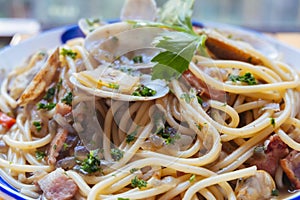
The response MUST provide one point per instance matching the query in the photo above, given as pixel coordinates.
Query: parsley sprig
(246, 78)
(179, 42)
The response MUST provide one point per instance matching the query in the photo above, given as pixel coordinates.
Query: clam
(131, 10)
(110, 42)
(108, 82)
(88, 25)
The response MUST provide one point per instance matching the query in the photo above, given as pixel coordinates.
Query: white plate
(11, 57)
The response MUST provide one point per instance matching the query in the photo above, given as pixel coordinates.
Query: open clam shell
(126, 84)
(109, 42)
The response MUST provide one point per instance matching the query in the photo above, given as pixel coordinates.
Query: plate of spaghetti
(153, 106)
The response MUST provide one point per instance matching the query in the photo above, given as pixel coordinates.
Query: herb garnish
(131, 137)
(180, 44)
(40, 155)
(138, 59)
(68, 99)
(91, 163)
(272, 121)
(170, 135)
(187, 97)
(49, 94)
(140, 183)
(133, 170)
(120, 198)
(48, 106)
(275, 192)
(192, 178)
(68, 52)
(38, 125)
(144, 91)
(246, 78)
(117, 154)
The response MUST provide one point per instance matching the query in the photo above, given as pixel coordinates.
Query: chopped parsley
(246, 78)
(117, 154)
(131, 137)
(91, 163)
(48, 106)
(40, 155)
(92, 22)
(192, 178)
(200, 101)
(187, 97)
(68, 52)
(144, 91)
(120, 198)
(49, 94)
(140, 183)
(38, 125)
(65, 146)
(133, 170)
(275, 192)
(272, 121)
(54, 147)
(113, 85)
(170, 135)
(68, 99)
(138, 59)
(199, 126)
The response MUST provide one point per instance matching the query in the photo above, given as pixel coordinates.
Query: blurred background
(261, 15)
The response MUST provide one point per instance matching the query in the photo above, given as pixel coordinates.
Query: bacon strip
(58, 186)
(202, 88)
(56, 145)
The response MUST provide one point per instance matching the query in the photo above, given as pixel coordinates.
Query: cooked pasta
(228, 128)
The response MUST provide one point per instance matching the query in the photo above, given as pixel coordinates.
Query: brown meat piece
(268, 159)
(291, 167)
(56, 145)
(202, 88)
(58, 186)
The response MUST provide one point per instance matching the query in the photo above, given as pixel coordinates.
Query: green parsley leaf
(49, 94)
(170, 135)
(91, 163)
(144, 91)
(140, 183)
(275, 192)
(37, 125)
(65, 146)
(68, 52)
(138, 59)
(120, 198)
(40, 155)
(117, 154)
(68, 99)
(192, 178)
(187, 97)
(272, 121)
(179, 49)
(246, 78)
(48, 106)
(131, 137)
(113, 85)
(177, 13)
(133, 170)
